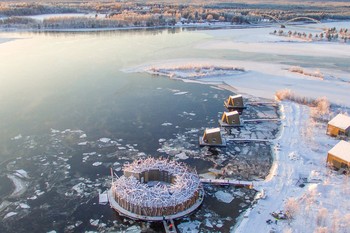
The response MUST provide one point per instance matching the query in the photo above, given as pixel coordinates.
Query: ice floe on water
(133, 229)
(95, 164)
(182, 156)
(224, 197)
(10, 214)
(166, 124)
(181, 93)
(189, 227)
(94, 222)
(20, 186)
(105, 140)
(79, 188)
(21, 173)
(19, 136)
(24, 206)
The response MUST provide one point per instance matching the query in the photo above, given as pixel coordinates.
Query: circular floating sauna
(156, 189)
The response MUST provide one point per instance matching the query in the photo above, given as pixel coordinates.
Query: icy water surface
(68, 114)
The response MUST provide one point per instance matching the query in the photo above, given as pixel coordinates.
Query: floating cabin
(230, 119)
(339, 126)
(155, 190)
(212, 137)
(339, 155)
(234, 102)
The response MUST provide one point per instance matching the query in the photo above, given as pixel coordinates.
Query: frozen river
(69, 112)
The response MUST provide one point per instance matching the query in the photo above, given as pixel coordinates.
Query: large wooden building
(339, 126)
(339, 155)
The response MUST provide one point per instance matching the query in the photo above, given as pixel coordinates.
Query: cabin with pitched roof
(212, 137)
(339, 155)
(230, 119)
(234, 102)
(339, 126)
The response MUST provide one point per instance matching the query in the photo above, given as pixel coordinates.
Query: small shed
(212, 137)
(339, 155)
(234, 101)
(339, 126)
(230, 119)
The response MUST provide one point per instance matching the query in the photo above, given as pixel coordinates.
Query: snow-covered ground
(300, 158)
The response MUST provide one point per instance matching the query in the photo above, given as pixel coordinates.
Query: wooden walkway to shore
(169, 226)
(247, 140)
(262, 103)
(236, 183)
(261, 120)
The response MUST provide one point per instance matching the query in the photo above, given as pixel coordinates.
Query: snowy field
(299, 182)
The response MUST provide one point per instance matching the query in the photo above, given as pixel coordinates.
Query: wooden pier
(243, 140)
(236, 183)
(262, 103)
(261, 120)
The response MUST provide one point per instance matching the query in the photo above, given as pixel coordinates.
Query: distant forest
(150, 14)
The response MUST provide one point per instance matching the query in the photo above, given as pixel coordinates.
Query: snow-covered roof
(213, 130)
(231, 113)
(235, 96)
(340, 121)
(182, 189)
(341, 150)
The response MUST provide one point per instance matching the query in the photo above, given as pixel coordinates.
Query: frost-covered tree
(321, 219)
(291, 208)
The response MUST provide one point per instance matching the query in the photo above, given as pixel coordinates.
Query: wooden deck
(202, 143)
(223, 124)
(232, 107)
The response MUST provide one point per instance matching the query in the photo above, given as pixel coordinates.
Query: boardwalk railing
(237, 183)
(248, 140)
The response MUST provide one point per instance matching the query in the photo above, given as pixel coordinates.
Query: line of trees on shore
(121, 14)
(330, 34)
